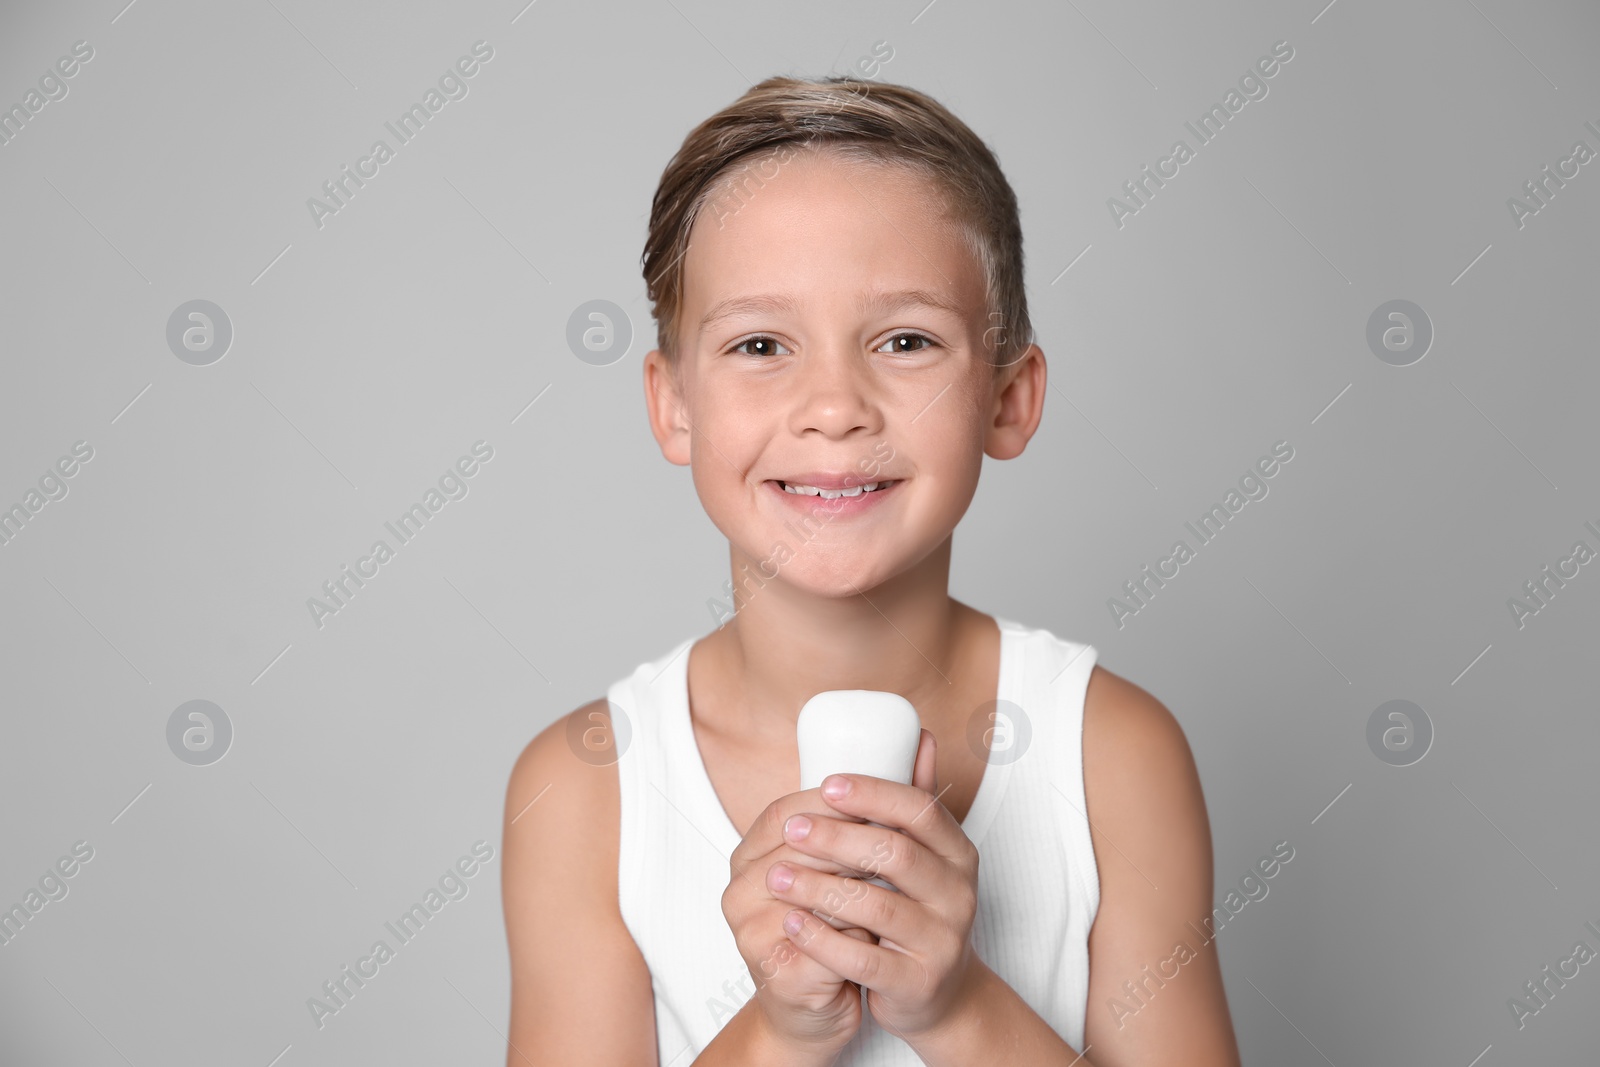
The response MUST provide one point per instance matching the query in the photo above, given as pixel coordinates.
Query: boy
(836, 269)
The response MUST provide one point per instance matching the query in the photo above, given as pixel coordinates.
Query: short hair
(863, 120)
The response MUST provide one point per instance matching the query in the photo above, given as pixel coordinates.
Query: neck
(785, 645)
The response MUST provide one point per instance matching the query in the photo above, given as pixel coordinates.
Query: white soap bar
(858, 731)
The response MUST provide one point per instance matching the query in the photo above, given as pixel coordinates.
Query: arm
(580, 990)
(745, 1039)
(1148, 821)
(1153, 848)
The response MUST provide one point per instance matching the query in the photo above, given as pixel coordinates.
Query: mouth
(799, 489)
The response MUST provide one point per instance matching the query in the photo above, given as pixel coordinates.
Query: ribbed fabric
(1038, 886)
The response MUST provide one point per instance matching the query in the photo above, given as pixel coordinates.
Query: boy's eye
(768, 346)
(903, 344)
(900, 349)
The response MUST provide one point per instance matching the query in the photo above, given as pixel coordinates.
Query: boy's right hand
(803, 1002)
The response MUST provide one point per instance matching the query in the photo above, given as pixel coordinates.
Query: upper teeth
(830, 494)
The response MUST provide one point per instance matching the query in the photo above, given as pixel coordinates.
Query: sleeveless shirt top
(1038, 885)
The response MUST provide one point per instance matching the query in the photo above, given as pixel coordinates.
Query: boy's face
(799, 373)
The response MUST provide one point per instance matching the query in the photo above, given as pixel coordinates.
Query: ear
(663, 400)
(1017, 406)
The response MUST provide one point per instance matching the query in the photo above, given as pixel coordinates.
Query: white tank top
(1038, 886)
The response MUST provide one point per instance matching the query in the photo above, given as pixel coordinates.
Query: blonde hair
(866, 121)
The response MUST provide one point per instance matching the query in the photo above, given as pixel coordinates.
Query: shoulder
(569, 767)
(1125, 726)
(1139, 774)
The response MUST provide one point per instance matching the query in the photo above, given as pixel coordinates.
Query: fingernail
(781, 878)
(796, 827)
(792, 922)
(835, 787)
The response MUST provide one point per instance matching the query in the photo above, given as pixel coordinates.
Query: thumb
(925, 774)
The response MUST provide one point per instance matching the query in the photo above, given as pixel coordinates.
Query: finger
(925, 775)
(857, 961)
(766, 832)
(914, 810)
(865, 850)
(888, 915)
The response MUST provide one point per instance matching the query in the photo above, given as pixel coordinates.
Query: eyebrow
(873, 301)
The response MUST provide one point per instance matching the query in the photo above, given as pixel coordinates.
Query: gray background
(369, 354)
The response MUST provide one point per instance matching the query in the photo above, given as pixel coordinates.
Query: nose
(835, 394)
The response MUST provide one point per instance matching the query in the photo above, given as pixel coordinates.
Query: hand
(804, 1002)
(922, 966)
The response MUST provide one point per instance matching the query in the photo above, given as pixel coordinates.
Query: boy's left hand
(923, 966)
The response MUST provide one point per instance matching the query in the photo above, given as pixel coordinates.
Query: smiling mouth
(834, 494)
